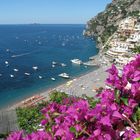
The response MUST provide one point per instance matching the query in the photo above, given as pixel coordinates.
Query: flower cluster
(113, 117)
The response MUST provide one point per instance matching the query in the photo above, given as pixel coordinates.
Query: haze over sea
(25, 46)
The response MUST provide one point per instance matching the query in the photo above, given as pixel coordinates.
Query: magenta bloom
(16, 136)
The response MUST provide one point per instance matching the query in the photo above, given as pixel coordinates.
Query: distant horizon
(43, 24)
(49, 11)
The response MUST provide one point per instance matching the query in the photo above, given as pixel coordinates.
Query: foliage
(134, 13)
(108, 32)
(115, 116)
(136, 49)
(29, 118)
(57, 96)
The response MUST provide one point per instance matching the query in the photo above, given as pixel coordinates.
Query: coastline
(84, 84)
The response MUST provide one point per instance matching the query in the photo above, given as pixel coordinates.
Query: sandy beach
(85, 84)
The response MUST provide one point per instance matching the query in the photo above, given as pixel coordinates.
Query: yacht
(15, 70)
(76, 61)
(35, 67)
(63, 65)
(7, 50)
(6, 62)
(40, 77)
(11, 75)
(27, 73)
(53, 79)
(54, 63)
(64, 75)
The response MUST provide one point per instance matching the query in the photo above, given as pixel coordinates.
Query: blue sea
(23, 47)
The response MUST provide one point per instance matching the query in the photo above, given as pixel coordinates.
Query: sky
(49, 11)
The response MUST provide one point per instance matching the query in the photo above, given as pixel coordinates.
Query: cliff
(105, 23)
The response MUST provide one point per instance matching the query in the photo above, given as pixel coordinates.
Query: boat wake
(19, 55)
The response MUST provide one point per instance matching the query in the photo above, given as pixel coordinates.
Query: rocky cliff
(105, 23)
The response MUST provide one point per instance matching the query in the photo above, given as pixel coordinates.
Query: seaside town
(100, 105)
(123, 42)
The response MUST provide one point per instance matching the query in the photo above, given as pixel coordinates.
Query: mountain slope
(105, 23)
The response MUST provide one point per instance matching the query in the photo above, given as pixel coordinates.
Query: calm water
(25, 46)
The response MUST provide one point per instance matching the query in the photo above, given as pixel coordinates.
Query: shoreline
(77, 86)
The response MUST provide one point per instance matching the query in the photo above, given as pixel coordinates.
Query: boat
(64, 75)
(53, 79)
(7, 50)
(26, 73)
(53, 66)
(40, 77)
(15, 70)
(6, 62)
(63, 65)
(76, 61)
(11, 75)
(54, 63)
(35, 67)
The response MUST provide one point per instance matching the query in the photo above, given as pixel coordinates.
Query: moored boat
(26, 73)
(35, 67)
(64, 75)
(53, 79)
(76, 61)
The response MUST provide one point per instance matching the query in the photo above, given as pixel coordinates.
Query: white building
(134, 37)
(128, 23)
(137, 27)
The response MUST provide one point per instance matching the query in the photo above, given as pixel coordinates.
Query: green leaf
(73, 129)
(125, 100)
(137, 139)
(117, 94)
(134, 117)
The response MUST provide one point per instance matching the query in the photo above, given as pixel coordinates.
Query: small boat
(7, 50)
(0, 74)
(11, 75)
(64, 75)
(26, 73)
(63, 65)
(15, 70)
(6, 62)
(35, 67)
(76, 61)
(53, 79)
(53, 66)
(40, 77)
(54, 63)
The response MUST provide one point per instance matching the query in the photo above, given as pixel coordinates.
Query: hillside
(105, 23)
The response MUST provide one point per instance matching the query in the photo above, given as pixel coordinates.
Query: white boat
(0, 74)
(76, 61)
(11, 75)
(64, 75)
(63, 65)
(40, 77)
(26, 73)
(7, 50)
(53, 66)
(54, 63)
(6, 62)
(15, 70)
(53, 79)
(35, 67)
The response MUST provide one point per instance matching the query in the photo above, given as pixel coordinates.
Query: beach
(84, 85)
